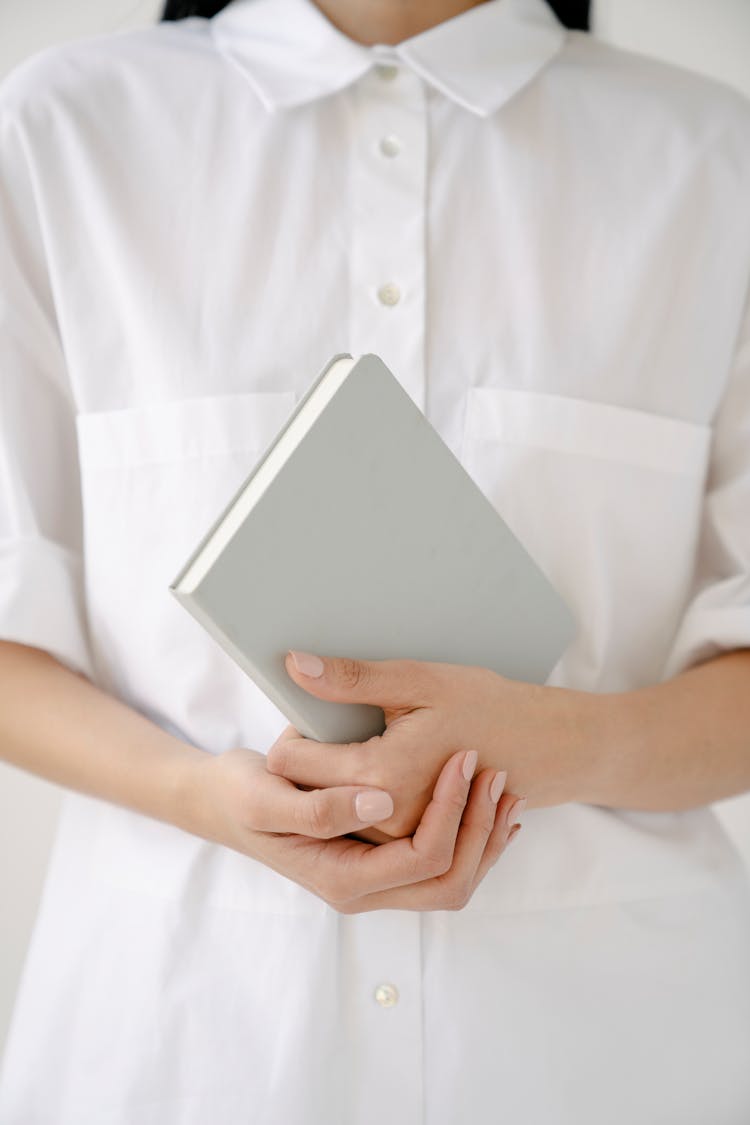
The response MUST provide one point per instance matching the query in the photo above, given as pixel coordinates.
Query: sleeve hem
(42, 601)
(707, 634)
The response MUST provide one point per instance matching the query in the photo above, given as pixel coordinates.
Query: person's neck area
(390, 21)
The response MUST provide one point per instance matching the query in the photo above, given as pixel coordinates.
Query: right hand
(302, 835)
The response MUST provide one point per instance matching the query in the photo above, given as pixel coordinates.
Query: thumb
(341, 679)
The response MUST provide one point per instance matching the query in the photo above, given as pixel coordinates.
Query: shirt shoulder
(659, 96)
(121, 65)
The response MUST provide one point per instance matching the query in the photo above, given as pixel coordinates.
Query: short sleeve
(717, 618)
(41, 565)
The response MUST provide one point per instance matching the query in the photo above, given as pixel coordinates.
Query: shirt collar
(292, 54)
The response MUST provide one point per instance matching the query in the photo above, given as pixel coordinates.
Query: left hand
(537, 734)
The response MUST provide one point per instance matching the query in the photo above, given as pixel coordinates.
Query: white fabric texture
(194, 218)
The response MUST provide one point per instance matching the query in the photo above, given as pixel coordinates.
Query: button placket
(388, 182)
(380, 956)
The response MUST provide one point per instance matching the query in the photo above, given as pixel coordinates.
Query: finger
(321, 764)
(288, 733)
(477, 825)
(351, 869)
(444, 820)
(321, 813)
(501, 835)
(309, 762)
(452, 889)
(383, 683)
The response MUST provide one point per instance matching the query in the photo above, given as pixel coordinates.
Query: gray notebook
(359, 533)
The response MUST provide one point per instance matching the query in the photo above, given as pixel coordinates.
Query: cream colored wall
(712, 36)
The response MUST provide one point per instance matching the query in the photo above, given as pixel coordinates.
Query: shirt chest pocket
(608, 500)
(154, 478)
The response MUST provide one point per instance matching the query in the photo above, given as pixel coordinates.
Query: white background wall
(712, 36)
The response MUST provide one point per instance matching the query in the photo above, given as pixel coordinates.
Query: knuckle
(458, 903)
(251, 809)
(363, 764)
(416, 867)
(319, 815)
(369, 756)
(457, 898)
(277, 758)
(367, 760)
(327, 888)
(351, 673)
(412, 869)
(443, 864)
(400, 825)
(344, 907)
(400, 772)
(339, 897)
(485, 832)
(434, 864)
(454, 803)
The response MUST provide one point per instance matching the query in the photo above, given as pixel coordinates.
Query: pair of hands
(303, 835)
(440, 831)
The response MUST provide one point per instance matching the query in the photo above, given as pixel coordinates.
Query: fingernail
(515, 812)
(498, 784)
(513, 833)
(374, 804)
(470, 764)
(307, 664)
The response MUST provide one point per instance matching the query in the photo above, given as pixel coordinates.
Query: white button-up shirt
(548, 241)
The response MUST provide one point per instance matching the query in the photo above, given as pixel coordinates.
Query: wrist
(590, 759)
(183, 790)
(559, 740)
(608, 766)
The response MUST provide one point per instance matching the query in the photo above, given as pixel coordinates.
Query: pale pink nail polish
(372, 805)
(513, 833)
(308, 664)
(498, 784)
(470, 764)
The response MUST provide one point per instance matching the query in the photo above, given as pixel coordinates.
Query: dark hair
(573, 13)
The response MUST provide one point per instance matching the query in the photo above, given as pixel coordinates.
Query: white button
(386, 995)
(386, 71)
(389, 294)
(390, 145)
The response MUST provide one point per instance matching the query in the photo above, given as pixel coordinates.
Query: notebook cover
(372, 541)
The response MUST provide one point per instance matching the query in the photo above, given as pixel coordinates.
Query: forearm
(60, 726)
(675, 745)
